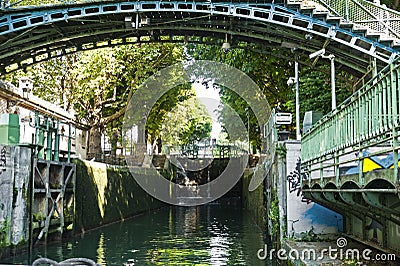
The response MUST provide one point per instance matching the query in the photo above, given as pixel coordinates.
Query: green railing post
(394, 121)
(39, 135)
(360, 167)
(336, 161)
(57, 142)
(69, 143)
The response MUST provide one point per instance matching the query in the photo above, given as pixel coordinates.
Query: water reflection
(101, 258)
(206, 235)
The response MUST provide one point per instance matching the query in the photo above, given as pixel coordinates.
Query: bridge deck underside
(38, 33)
(371, 213)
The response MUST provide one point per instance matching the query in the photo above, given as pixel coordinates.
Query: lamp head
(317, 53)
(291, 81)
(226, 46)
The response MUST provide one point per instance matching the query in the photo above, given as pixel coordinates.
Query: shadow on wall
(106, 194)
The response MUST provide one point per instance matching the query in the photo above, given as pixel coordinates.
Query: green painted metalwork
(49, 138)
(48, 133)
(56, 142)
(368, 121)
(376, 17)
(83, 25)
(9, 129)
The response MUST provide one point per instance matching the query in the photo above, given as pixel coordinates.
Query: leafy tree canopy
(188, 121)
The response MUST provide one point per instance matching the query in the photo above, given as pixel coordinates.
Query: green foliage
(37, 217)
(273, 214)
(4, 231)
(164, 107)
(97, 84)
(234, 105)
(281, 150)
(309, 236)
(268, 72)
(187, 122)
(315, 91)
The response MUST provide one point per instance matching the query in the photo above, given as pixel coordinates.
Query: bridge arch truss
(32, 34)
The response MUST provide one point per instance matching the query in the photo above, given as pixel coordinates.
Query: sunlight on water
(101, 259)
(206, 235)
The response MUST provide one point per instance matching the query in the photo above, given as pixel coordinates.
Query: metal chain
(68, 262)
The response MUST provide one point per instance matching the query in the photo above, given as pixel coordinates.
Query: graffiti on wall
(294, 183)
(3, 160)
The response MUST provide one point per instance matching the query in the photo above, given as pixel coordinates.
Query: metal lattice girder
(375, 17)
(32, 34)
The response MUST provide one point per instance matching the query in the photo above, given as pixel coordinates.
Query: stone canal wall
(253, 201)
(106, 194)
(15, 169)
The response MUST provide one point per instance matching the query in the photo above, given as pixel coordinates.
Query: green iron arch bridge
(354, 170)
(30, 34)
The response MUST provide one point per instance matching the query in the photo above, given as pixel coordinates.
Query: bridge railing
(373, 16)
(19, 3)
(367, 124)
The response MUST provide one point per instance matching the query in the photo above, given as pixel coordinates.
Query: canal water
(213, 234)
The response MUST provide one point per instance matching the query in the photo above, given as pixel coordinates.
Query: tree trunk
(114, 143)
(94, 142)
(159, 145)
(396, 4)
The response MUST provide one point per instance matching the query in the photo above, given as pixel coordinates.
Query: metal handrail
(370, 117)
(375, 17)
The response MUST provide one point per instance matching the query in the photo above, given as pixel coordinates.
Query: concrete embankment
(106, 194)
(254, 201)
(94, 195)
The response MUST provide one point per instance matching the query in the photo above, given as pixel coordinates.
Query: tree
(315, 90)
(187, 122)
(393, 4)
(270, 73)
(99, 83)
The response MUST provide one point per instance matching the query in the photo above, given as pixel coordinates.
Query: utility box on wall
(310, 118)
(9, 129)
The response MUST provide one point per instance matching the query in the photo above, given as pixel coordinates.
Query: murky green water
(206, 235)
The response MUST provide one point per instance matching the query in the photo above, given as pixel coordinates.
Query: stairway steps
(396, 44)
(348, 25)
(374, 35)
(320, 12)
(360, 30)
(320, 15)
(388, 41)
(334, 20)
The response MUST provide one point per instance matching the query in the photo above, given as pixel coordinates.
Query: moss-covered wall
(253, 201)
(106, 194)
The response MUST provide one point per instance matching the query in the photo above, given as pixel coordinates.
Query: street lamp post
(295, 81)
(333, 85)
(248, 126)
(331, 57)
(296, 77)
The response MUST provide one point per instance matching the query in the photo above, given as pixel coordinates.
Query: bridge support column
(293, 205)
